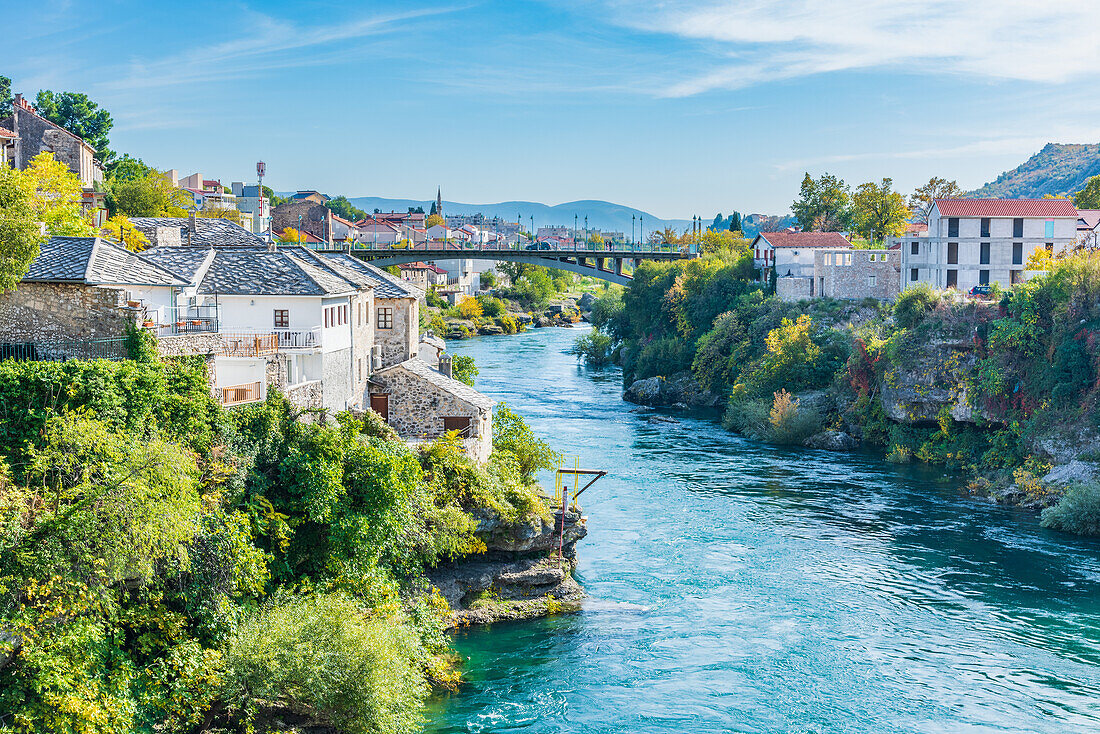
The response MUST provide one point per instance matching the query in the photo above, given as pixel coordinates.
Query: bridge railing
(613, 248)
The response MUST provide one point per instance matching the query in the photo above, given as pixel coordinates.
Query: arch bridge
(606, 262)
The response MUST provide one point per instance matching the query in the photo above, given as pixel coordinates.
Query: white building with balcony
(973, 242)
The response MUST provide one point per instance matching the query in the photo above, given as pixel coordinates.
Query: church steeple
(437, 207)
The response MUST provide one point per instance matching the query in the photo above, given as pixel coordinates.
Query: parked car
(539, 246)
(982, 291)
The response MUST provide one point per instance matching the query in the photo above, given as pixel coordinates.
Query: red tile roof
(916, 227)
(805, 239)
(1006, 208)
(6, 133)
(1088, 218)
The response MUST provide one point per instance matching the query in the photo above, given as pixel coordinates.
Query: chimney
(445, 364)
(192, 230)
(328, 226)
(272, 246)
(166, 237)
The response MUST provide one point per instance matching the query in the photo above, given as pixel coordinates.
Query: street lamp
(586, 230)
(574, 230)
(633, 221)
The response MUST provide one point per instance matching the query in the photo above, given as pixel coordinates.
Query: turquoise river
(740, 587)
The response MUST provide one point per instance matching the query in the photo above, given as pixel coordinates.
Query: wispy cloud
(271, 45)
(757, 41)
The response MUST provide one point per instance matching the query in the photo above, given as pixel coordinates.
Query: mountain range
(1058, 169)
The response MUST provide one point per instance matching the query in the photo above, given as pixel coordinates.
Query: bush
(1078, 511)
(780, 420)
(913, 304)
(469, 308)
(356, 671)
(594, 348)
(508, 324)
(490, 306)
(463, 369)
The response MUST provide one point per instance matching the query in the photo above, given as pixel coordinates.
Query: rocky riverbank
(519, 576)
(561, 312)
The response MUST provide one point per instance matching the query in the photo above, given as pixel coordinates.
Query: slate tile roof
(186, 261)
(1006, 208)
(460, 390)
(389, 286)
(93, 261)
(209, 232)
(253, 271)
(804, 239)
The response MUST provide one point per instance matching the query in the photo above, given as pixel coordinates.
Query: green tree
(463, 369)
(120, 229)
(513, 436)
(75, 112)
(1088, 197)
(822, 204)
(735, 222)
(20, 236)
(6, 100)
(920, 201)
(878, 211)
(341, 207)
(133, 194)
(126, 168)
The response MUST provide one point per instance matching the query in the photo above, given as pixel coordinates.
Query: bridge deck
(434, 251)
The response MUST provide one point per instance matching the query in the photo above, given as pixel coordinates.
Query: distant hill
(1056, 169)
(601, 214)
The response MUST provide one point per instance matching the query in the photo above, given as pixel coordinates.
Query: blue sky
(679, 107)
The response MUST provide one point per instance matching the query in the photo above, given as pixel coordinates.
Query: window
(871, 280)
(953, 227)
(282, 318)
(1050, 247)
(983, 277)
(359, 315)
(952, 278)
(913, 275)
(985, 227)
(1017, 253)
(328, 316)
(1015, 276)
(1049, 229)
(847, 258)
(952, 253)
(385, 317)
(359, 364)
(460, 424)
(914, 248)
(983, 254)
(1018, 227)
(344, 314)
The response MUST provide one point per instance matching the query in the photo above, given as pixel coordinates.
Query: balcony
(245, 342)
(251, 392)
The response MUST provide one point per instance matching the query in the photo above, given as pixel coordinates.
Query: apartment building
(973, 242)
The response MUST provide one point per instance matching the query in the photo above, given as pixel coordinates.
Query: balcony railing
(250, 392)
(249, 345)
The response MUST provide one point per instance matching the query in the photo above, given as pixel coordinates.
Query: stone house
(973, 242)
(857, 274)
(423, 275)
(319, 327)
(306, 215)
(791, 254)
(423, 404)
(32, 134)
(83, 289)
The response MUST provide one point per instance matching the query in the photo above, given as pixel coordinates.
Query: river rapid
(741, 587)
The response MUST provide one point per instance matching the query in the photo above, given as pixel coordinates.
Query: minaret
(439, 201)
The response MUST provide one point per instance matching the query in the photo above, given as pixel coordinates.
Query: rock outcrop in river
(519, 576)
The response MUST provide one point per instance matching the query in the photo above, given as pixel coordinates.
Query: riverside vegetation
(170, 565)
(1003, 391)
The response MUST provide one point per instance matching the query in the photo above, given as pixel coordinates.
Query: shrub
(490, 306)
(322, 653)
(780, 420)
(463, 369)
(512, 435)
(1078, 511)
(508, 324)
(469, 308)
(594, 348)
(913, 304)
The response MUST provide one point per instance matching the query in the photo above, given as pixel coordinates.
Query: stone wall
(316, 218)
(362, 339)
(399, 343)
(793, 289)
(54, 311)
(858, 274)
(183, 345)
(336, 376)
(37, 135)
(305, 395)
(417, 409)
